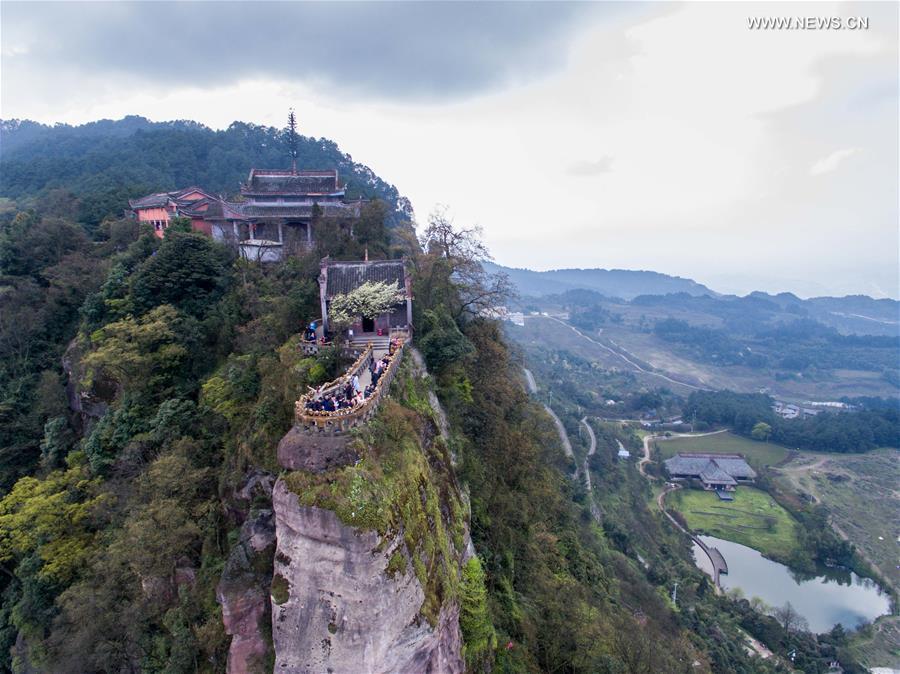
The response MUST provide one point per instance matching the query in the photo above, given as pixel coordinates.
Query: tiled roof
(343, 277)
(736, 467)
(284, 182)
(161, 199)
(151, 201)
(198, 207)
(714, 474)
(733, 465)
(215, 210)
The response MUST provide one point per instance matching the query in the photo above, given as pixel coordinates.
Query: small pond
(834, 596)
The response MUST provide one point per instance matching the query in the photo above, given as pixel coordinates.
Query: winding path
(595, 509)
(563, 436)
(529, 378)
(560, 429)
(593, 448)
(716, 559)
(626, 358)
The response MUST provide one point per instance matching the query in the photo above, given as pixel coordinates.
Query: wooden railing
(342, 420)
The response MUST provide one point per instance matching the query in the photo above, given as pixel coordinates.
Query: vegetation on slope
(115, 543)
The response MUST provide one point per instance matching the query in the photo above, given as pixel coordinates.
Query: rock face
(88, 405)
(336, 609)
(315, 453)
(243, 593)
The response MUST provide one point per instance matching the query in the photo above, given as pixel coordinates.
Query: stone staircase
(379, 344)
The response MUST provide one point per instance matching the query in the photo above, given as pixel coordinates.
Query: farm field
(669, 358)
(861, 494)
(758, 454)
(753, 519)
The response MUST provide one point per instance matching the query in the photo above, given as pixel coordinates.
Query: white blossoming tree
(369, 300)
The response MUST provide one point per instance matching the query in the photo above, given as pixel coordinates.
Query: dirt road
(625, 358)
(560, 429)
(591, 450)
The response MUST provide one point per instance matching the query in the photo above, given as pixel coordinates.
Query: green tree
(761, 431)
(443, 343)
(53, 518)
(139, 353)
(475, 618)
(188, 271)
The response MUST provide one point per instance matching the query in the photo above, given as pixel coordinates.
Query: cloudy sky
(658, 136)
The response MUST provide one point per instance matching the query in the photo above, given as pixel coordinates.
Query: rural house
(716, 471)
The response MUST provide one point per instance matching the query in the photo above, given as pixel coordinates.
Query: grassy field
(861, 494)
(758, 454)
(753, 519)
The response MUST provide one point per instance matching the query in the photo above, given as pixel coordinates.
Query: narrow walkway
(716, 559)
(365, 377)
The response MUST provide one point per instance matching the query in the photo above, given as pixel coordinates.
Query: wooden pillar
(280, 234)
(309, 233)
(234, 225)
(407, 282)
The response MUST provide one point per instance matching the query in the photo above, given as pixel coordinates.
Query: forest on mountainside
(95, 168)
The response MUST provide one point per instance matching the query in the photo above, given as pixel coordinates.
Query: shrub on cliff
(475, 618)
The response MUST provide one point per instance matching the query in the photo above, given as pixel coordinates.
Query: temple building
(276, 214)
(279, 209)
(719, 472)
(340, 278)
(157, 210)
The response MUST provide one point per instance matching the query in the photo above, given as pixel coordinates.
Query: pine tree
(292, 139)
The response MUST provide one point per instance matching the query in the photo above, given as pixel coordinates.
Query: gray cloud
(590, 168)
(395, 50)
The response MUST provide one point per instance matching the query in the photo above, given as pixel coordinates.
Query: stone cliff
(243, 594)
(371, 543)
(337, 607)
(372, 536)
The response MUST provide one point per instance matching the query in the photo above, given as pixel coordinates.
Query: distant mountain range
(622, 283)
(852, 314)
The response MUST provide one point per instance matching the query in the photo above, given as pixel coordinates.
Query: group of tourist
(352, 394)
(345, 398)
